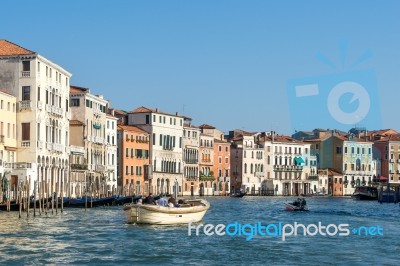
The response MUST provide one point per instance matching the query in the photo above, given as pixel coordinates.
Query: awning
(298, 160)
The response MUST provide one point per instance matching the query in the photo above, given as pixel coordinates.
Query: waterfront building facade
(8, 134)
(387, 152)
(166, 148)
(207, 176)
(288, 161)
(41, 88)
(111, 152)
(191, 147)
(77, 185)
(91, 110)
(352, 157)
(133, 160)
(222, 167)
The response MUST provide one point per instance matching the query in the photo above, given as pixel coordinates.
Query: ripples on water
(101, 236)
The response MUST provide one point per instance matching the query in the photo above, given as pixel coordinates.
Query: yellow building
(8, 140)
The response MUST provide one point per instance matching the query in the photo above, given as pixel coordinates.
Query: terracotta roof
(120, 112)
(5, 92)
(355, 139)
(131, 128)
(108, 115)
(9, 48)
(189, 125)
(143, 109)
(395, 137)
(75, 123)
(76, 89)
(280, 138)
(205, 126)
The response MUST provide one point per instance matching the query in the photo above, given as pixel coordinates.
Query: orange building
(133, 160)
(221, 167)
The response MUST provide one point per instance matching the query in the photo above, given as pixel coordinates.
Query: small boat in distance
(190, 211)
(298, 205)
(238, 194)
(365, 193)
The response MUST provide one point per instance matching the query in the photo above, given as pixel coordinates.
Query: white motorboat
(191, 211)
(291, 207)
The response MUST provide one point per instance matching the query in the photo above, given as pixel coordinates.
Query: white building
(111, 152)
(166, 147)
(191, 146)
(91, 110)
(42, 91)
(287, 165)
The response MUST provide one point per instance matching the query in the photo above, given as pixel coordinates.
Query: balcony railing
(25, 105)
(259, 174)
(191, 178)
(79, 166)
(25, 143)
(312, 177)
(54, 110)
(58, 147)
(40, 144)
(77, 149)
(99, 168)
(97, 112)
(287, 168)
(192, 161)
(20, 165)
(25, 74)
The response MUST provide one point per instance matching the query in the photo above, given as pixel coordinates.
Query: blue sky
(224, 63)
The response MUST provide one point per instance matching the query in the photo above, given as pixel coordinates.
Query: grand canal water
(101, 236)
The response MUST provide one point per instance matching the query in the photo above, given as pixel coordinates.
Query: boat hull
(290, 207)
(154, 214)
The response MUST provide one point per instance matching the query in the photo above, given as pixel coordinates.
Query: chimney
(156, 110)
(273, 136)
(177, 114)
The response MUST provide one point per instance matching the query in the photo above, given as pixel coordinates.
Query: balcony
(110, 168)
(168, 148)
(99, 168)
(259, 174)
(288, 168)
(98, 140)
(21, 165)
(54, 110)
(312, 177)
(25, 74)
(40, 105)
(79, 167)
(97, 112)
(77, 149)
(49, 146)
(191, 178)
(25, 105)
(191, 161)
(58, 147)
(25, 144)
(207, 177)
(40, 144)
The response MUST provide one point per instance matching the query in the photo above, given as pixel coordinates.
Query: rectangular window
(161, 137)
(26, 65)
(75, 102)
(26, 131)
(154, 138)
(26, 93)
(147, 119)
